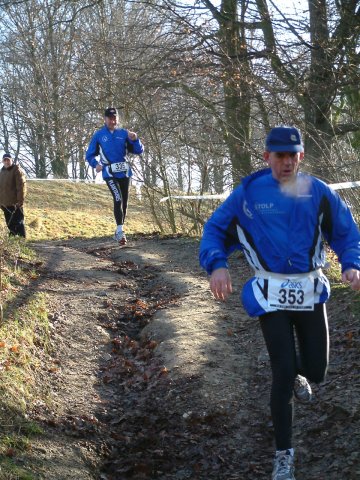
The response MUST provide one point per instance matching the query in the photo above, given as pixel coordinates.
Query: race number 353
(291, 296)
(286, 294)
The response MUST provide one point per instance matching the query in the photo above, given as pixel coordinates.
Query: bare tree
(317, 69)
(201, 82)
(39, 53)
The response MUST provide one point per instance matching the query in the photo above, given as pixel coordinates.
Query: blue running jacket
(113, 149)
(281, 229)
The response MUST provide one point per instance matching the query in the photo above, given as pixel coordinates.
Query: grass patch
(59, 210)
(341, 293)
(11, 471)
(24, 347)
(63, 210)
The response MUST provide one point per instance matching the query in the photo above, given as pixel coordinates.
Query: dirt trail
(153, 379)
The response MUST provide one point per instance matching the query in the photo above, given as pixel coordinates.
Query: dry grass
(63, 210)
(24, 344)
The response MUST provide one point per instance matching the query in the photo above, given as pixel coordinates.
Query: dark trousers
(14, 217)
(309, 359)
(119, 188)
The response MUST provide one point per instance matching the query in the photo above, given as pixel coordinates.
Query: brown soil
(151, 378)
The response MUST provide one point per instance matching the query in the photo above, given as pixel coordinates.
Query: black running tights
(310, 359)
(119, 188)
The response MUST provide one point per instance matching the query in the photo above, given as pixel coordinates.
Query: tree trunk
(236, 72)
(317, 100)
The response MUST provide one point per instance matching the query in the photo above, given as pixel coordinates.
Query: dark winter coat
(12, 186)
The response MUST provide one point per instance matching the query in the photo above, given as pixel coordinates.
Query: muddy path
(150, 378)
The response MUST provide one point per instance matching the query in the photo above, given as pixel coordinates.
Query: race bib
(295, 293)
(119, 167)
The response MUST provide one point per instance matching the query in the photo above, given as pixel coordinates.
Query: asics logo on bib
(289, 284)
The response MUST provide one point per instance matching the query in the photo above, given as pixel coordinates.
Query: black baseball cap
(110, 112)
(6, 155)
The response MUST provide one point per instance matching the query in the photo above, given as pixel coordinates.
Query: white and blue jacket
(282, 232)
(113, 149)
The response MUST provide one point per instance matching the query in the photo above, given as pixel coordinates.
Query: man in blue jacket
(112, 145)
(279, 218)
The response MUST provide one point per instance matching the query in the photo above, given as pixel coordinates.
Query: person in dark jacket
(12, 195)
(280, 217)
(112, 145)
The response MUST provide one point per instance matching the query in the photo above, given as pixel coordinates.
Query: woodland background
(201, 82)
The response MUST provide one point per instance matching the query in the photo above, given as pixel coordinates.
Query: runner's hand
(132, 135)
(220, 283)
(352, 276)
(98, 168)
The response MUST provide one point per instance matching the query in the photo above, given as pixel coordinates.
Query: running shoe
(118, 236)
(123, 240)
(302, 389)
(283, 466)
